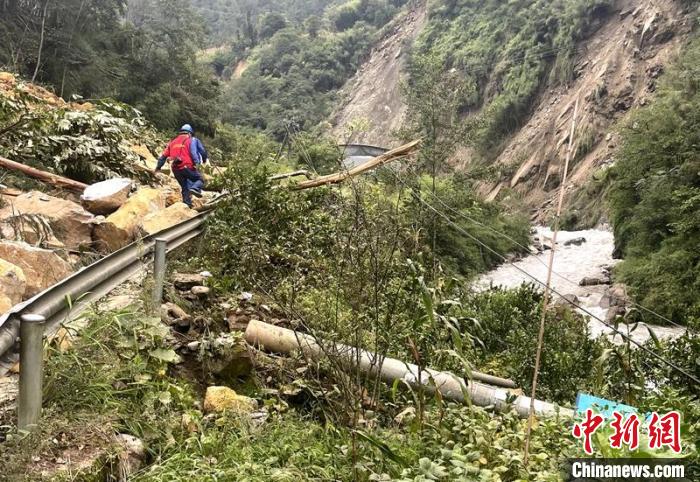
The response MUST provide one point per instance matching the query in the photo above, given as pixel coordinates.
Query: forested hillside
(113, 48)
(283, 74)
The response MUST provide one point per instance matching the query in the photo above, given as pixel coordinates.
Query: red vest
(179, 148)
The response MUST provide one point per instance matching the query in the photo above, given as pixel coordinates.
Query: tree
(270, 24)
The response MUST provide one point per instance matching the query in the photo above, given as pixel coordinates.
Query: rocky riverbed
(582, 264)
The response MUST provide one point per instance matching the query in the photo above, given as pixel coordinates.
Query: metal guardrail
(70, 297)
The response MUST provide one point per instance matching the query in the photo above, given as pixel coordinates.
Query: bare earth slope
(373, 94)
(616, 71)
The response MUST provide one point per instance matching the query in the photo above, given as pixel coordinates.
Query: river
(571, 264)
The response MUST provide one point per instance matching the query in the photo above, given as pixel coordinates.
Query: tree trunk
(53, 179)
(41, 41)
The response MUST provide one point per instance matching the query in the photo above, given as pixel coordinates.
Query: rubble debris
(131, 456)
(219, 399)
(575, 241)
(172, 315)
(170, 216)
(186, 281)
(41, 267)
(107, 196)
(12, 285)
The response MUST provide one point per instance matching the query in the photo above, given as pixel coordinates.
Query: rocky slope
(46, 232)
(616, 70)
(372, 97)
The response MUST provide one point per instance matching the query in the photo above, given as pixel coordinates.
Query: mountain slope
(373, 94)
(614, 70)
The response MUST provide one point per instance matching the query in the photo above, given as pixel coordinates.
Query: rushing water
(571, 264)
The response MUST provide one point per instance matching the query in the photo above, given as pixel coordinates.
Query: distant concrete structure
(356, 154)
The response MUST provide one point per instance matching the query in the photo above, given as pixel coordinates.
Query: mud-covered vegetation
(655, 196)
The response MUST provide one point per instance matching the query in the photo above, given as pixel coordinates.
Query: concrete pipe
(282, 340)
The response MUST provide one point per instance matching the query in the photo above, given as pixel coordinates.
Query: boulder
(107, 196)
(147, 159)
(12, 285)
(220, 399)
(594, 281)
(166, 218)
(172, 314)
(616, 295)
(567, 300)
(131, 456)
(40, 219)
(187, 281)
(575, 241)
(200, 291)
(42, 267)
(121, 227)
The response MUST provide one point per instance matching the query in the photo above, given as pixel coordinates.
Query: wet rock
(616, 295)
(575, 242)
(220, 399)
(170, 216)
(121, 227)
(613, 313)
(13, 284)
(567, 300)
(131, 456)
(40, 219)
(41, 267)
(107, 196)
(186, 281)
(172, 315)
(590, 281)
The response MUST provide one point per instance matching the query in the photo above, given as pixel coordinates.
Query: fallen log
(281, 340)
(338, 177)
(47, 177)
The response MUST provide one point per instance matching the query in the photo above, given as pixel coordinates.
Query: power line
(559, 275)
(536, 280)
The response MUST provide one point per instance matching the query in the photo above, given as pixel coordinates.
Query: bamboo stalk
(547, 291)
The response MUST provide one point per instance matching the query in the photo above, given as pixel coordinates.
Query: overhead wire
(559, 275)
(461, 230)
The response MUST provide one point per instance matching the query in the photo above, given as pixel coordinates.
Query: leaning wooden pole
(276, 339)
(547, 291)
(338, 177)
(47, 177)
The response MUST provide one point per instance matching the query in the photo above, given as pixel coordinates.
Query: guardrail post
(159, 272)
(31, 352)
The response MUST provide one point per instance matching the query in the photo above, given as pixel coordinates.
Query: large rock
(107, 196)
(121, 227)
(146, 158)
(38, 218)
(12, 285)
(42, 267)
(166, 218)
(131, 456)
(220, 399)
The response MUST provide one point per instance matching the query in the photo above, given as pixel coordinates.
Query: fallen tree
(338, 177)
(281, 340)
(43, 176)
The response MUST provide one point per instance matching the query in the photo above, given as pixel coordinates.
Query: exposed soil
(616, 71)
(373, 94)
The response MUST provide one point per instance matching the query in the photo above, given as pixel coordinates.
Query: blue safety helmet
(187, 128)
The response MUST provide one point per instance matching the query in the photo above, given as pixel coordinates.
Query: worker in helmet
(185, 152)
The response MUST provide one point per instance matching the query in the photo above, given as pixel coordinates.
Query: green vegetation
(292, 77)
(655, 196)
(508, 51)
(89, 142)
(113, 48)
